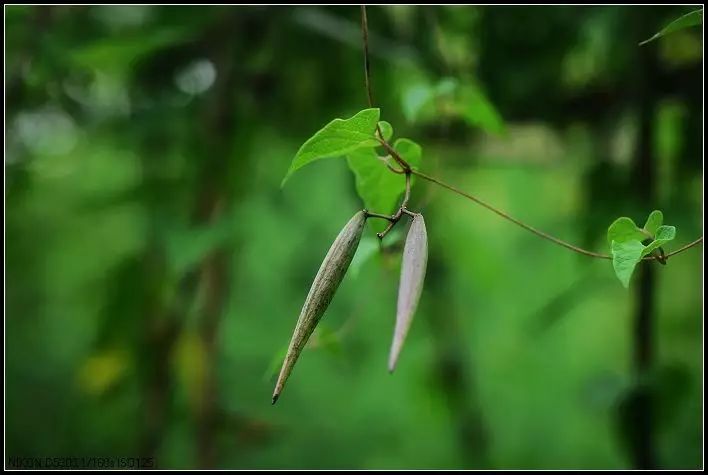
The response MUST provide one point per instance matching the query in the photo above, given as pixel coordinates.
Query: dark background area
(155, 268)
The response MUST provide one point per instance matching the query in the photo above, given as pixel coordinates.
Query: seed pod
(328, 278)
(415, 259)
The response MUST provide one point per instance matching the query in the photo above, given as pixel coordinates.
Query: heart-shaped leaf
(379, 187)
(623, 230)
(655, 219)
(337, 138)
(663, 235)
(626, 242)
(625, 256)
(386, 130)
(409, 150)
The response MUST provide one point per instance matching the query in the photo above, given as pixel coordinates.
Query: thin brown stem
(395, 170)
(367, 65)
(378, 215)
(660, 256)
(392, 222)
(518, 222)
(406, 167)
(407, 194)
(538, 232)
(365, 40)
(383, 233)
(687, 246)
(370, 95)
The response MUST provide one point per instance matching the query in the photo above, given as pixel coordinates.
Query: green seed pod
(328, 278)
(415, 259)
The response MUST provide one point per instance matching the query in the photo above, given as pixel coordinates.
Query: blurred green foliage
(155, 268)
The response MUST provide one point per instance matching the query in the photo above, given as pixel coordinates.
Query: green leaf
(655, 219)
(626, 242)
(386, 129)
(663, 235)
(409, 150)
(379, 187)
(625, 256)
(623, 229)
(693, 18)
(337, 138)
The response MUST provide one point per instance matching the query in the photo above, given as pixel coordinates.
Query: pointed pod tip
(413, 264)
(392, 363)
(329, 276)
(275, 399)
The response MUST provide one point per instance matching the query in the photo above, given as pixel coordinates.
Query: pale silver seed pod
(413, 265)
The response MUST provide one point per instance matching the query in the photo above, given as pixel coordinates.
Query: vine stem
(369, 94)
(408, 171)
(392, 220)
(518, 222)
(687, 246)
(538, 232)
(365, 40)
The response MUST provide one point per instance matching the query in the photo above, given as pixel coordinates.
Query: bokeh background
(155, 268)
